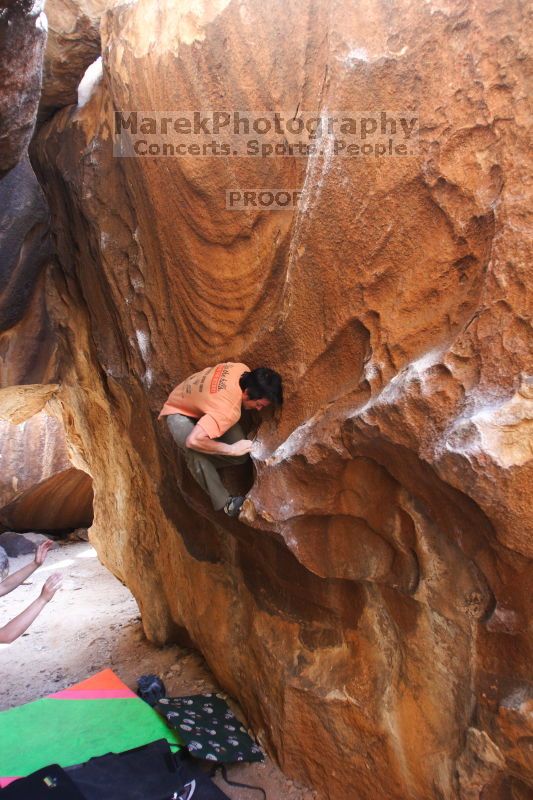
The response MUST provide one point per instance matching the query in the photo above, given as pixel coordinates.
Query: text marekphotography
(225, 134)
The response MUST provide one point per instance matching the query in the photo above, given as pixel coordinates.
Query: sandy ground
(92, 623)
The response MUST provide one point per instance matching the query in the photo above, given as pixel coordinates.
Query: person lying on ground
(203, 414)
(17, 626)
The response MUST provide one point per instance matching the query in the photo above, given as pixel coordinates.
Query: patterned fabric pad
(209, 729)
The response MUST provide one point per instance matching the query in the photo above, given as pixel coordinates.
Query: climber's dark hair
(263, 383)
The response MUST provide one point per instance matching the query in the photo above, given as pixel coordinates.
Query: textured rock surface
(377, 611)
(16, 544)
(27, 340)
(73, 44)
(58, 503)
(37, 447)
(39, 485)
(22, 42)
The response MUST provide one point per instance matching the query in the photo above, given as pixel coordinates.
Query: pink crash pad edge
(7, 780)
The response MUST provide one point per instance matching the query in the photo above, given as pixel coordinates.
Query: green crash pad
(98, 716)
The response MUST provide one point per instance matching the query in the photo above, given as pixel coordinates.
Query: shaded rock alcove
(41, 490)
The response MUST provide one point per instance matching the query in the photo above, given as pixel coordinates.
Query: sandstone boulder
(16, 544)
(375, 605)
(58, 503)
(27, 340)
(21, 544)
(73, 44)
(22, 42)
(39, 485)
(25, 246)
(36, 449)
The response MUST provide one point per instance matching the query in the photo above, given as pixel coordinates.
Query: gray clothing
(204, 466)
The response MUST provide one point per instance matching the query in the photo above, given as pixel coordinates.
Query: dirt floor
(92, 623)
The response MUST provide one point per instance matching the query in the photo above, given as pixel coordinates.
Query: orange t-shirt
(212, 396)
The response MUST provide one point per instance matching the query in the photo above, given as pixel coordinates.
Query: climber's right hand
(241, 447)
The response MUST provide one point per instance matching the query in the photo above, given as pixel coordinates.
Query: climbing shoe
(233, 506)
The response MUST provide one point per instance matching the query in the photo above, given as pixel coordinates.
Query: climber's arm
(199, 440)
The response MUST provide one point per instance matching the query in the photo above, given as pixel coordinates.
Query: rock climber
(16, 627)
(203, 414)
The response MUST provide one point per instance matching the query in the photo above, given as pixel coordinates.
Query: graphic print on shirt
(219, 379)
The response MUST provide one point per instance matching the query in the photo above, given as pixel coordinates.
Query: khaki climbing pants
(204, 466)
